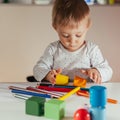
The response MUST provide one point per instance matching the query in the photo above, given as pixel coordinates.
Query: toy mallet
(69, 93)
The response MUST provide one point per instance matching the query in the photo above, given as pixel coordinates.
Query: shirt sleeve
(44, 64)
(100, 63)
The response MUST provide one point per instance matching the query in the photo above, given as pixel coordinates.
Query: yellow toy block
(61, 79)
(80, 82)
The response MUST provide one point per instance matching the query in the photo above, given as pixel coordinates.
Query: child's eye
(78, 36)
(65, 36)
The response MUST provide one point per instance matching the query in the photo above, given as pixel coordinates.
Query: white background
(25, 31)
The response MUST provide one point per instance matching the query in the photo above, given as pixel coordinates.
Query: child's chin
(72, 49)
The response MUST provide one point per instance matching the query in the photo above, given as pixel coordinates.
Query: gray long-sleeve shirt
(56, 56)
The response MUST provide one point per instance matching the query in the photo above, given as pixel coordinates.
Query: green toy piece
(55, 109)
(35, 106)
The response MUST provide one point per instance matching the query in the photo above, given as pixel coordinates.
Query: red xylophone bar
(54, 89)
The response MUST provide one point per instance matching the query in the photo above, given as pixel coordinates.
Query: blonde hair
(66, 10)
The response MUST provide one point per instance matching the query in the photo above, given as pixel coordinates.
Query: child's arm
(44, 64)
(99, 66)
(44, 67)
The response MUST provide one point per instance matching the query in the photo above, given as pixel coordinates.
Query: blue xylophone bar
(30, 93)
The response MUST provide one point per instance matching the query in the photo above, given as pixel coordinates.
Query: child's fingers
(54, 73)
(52, 81)
(59, 70)
(96, 78)
(84, 71)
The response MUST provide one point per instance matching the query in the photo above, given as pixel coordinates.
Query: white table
(12, 108)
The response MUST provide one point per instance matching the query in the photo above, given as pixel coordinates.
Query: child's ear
(54, 26)
(89, 23)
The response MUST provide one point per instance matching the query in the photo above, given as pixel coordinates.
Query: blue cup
(98, 96)
(90, 2)
(98, 113)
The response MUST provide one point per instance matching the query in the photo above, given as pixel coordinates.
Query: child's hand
(93, 74)
(51, 76)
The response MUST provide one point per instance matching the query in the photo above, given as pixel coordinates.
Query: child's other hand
(92, 74)
(51, 76)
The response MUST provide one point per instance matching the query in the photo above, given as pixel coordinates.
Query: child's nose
(72, 39)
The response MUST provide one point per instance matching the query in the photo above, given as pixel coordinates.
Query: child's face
(72, 36)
